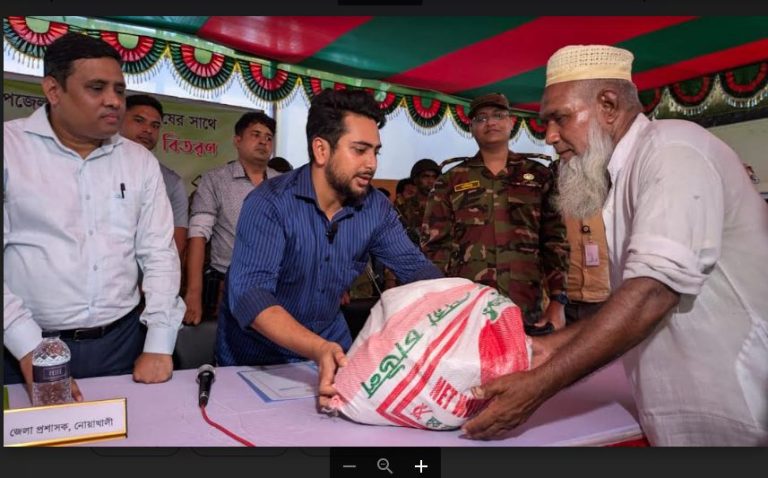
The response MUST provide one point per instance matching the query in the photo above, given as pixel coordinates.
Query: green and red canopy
(468, 56)
(710, 70)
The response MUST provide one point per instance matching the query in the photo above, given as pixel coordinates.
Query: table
(599, 410)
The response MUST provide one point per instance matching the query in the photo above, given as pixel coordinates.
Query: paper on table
(274, 383)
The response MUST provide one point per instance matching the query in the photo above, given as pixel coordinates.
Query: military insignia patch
(465, 186)
(529, 177)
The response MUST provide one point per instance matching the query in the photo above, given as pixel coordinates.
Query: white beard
(583, 182)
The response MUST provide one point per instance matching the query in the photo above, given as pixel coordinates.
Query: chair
(195, 345)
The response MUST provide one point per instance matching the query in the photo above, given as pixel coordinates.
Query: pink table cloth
(596, 411)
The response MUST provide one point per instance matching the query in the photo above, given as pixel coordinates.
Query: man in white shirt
(84, 209)
(688, 248)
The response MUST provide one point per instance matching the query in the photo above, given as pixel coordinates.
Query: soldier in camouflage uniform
(424, 173)
(404, 190)
(493, 219)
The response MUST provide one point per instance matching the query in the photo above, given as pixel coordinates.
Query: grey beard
(583, 182)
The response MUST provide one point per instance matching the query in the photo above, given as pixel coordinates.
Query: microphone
(205, 377)
(331, 233)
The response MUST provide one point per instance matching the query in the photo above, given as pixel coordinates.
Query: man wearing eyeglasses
(493, 219)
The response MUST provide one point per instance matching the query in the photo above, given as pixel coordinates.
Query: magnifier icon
(383, 465)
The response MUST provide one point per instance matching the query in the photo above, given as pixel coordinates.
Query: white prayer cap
(589, 62)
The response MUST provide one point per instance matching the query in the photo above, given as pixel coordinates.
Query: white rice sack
(423, 348)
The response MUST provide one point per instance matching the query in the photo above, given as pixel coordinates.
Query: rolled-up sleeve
(256, 258)
(204, 209)
(159, 261)
(677, 226)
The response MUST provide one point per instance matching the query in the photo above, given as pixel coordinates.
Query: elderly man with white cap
(688, 247)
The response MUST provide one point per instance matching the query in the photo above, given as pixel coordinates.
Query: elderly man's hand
(513, 398)
(152, 368)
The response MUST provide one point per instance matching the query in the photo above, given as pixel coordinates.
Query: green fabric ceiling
(468, 56)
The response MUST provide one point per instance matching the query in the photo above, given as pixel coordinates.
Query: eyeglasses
(498, 116)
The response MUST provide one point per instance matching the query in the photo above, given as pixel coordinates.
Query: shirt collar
(626, 145)
(477, 159)
(237, 170)
(37, 123)
(305, 189)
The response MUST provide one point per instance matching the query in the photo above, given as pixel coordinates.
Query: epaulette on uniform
(453, 160)
(543, 159)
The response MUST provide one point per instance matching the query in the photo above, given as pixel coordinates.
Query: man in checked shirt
(215, 209)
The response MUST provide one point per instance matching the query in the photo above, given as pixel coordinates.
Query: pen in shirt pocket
(122, 190)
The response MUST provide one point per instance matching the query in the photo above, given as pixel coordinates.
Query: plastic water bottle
(50, 371)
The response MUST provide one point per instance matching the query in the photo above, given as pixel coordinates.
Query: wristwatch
(562, 297)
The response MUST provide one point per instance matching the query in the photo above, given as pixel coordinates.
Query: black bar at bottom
(385, 462)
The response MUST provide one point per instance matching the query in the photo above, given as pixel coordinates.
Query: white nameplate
(69, 423)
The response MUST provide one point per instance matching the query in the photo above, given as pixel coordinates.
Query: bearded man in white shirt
(84, 209)
(688, 248)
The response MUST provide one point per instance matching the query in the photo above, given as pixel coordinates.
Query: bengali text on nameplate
(70, 423)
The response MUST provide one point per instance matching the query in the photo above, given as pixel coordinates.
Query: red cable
(224, 430)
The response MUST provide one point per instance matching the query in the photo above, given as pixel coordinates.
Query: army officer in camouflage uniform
(424, 173)
(493, 219)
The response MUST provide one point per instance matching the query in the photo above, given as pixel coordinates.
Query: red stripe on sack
(396, 415)
(361, 366)
(459, 322)
(392, 412)
(421, 383)
(502, 346)
(506, 358)
(288, 39)
(480, 66)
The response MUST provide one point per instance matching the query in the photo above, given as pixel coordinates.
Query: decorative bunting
(517, 123)
(313, 86)
(693, 92)
(746, 82)
(536, 128)
(718, 108)
(425, 112)
(139, 53)
(31, 36)
(266, 82)
(650, 99)
(459, 116)
(388, 101)
(201, 68)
